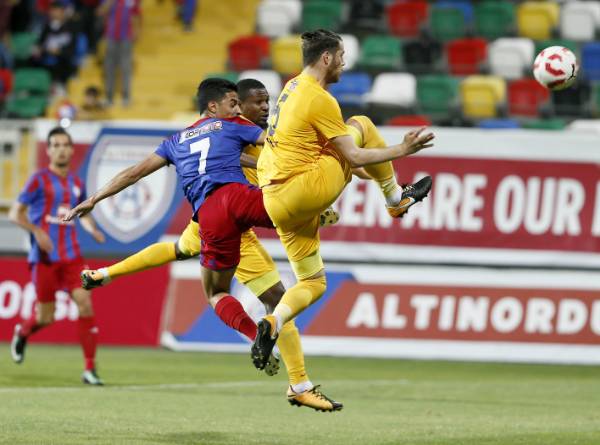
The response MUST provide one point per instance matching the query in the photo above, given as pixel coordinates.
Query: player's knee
(45, 319)
(271, 297)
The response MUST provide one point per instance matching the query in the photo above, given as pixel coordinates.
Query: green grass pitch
(155, 396)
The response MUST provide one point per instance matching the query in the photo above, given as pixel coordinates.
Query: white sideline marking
(213, 385)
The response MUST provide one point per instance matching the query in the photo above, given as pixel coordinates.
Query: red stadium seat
(404, 18)
(465, 55)
(248, 53)
(415, 120)
(525, 97)
(6, 81)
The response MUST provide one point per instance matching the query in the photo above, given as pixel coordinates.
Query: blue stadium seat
(351, 88)
(498, 124)
(590, 60)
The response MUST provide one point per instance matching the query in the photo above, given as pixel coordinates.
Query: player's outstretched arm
(414, 141)
(121, 181)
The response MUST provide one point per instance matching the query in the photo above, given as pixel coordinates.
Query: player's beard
(333, 74)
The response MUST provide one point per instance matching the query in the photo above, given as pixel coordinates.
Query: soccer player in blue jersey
(55, 259)
(206, 157)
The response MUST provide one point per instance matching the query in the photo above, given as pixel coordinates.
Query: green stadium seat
(545, 124)
(26, 107)
(437, 93)
(494, 19)
(446, 23)
(32, 81)
(229, 75)
(322, 14)
(21, 44)
(573, 46)
(381, 53)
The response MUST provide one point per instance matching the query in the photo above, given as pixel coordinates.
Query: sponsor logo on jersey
(199, 131)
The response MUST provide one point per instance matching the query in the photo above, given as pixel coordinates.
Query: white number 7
(202, 146)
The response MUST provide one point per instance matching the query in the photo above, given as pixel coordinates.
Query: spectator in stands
(92, 108)
(122, 26)
(91, 25)
(56, 46)
(5, 12)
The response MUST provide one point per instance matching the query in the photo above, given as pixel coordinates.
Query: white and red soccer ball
(555, 67)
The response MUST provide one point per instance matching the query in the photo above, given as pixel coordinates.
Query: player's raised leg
(398, 199)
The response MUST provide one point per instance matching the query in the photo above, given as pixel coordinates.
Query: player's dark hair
(315, 43)
(246, 85)
(211, 89)
(58, 130)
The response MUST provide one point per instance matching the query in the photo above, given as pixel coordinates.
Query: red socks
(88, 337)
(232, 313)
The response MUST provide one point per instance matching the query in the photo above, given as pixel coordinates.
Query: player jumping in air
(54, 258)
(304, 167)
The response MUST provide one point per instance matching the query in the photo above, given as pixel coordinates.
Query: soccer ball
(555, 67)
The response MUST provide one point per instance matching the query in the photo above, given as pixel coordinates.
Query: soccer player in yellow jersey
(304, 166)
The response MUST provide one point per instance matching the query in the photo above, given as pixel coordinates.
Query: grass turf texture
(159, 397)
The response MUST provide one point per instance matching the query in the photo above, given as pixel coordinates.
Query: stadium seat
(437, 94)
(351, 50)
(537, 19)
(273, 19)
(6, 83)
(498, 124)
(405, 18)
(422, 56)
(366, 16)
(351, 88)
(574, 101)
(579, 20)
(464, 6)
(511, 57)
(446, 23)
(381, 53)
(545, 124)
(590, 60)
(270, 79)
(494, 19)
(395, 89)
(286, 54)
(293, 8)
(22, 43)
(229, 75)
(596, 100)
(409, 120)
(26, 107)
(32, 81)
(525, 96)
(322, 14)
(465, 56)
(540, 45)
(248, 52)
(482, 95)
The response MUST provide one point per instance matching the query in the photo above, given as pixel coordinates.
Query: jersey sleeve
(325, 116)
(31, 191)
(248, 133)
(164, 150)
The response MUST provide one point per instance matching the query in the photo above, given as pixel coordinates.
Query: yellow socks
(155, 255)
(297, 298)
(382, 173)
(290, 348)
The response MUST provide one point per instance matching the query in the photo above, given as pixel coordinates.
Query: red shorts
(228, 212)
(51, 277)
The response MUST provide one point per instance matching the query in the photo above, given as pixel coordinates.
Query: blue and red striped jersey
(207, 154)
(49, 198)
(119, 19)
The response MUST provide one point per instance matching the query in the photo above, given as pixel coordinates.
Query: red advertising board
(128, 311)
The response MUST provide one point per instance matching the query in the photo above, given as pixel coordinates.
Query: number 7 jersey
(207, 155)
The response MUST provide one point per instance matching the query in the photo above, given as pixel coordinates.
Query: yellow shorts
(256, 269)
(295, 205)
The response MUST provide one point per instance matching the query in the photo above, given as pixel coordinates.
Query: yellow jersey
(250, 173)
(305, 119)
